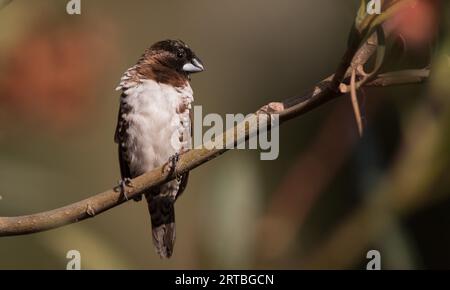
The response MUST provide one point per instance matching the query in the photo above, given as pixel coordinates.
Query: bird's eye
(180, 54)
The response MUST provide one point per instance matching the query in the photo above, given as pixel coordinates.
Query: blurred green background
(329, 198)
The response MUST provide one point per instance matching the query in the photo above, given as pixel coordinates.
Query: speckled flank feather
(129, 79)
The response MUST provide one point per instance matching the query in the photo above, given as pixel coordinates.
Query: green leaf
(361, 15)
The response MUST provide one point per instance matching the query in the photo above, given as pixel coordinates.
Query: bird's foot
(122, 186)
(171, 165)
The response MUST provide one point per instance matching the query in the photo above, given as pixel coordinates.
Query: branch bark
(320, 94)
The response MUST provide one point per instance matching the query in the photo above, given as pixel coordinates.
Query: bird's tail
(162, 214)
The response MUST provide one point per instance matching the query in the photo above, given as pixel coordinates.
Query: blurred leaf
(366, 23)
(3, 3)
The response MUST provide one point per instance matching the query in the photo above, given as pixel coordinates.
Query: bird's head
(176, 55)
(170, 62)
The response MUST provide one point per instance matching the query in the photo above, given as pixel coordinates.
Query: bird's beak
(194, 66)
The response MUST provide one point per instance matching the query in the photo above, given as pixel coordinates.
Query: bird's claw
(172, 164)
(122, 186)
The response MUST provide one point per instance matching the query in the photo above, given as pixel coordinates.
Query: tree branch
(101, 202)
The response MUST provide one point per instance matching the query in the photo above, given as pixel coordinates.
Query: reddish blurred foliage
(417, 24)
(50, 76)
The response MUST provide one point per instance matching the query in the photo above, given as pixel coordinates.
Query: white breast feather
(157, 129)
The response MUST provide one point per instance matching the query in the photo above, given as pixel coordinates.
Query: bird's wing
(120, 138)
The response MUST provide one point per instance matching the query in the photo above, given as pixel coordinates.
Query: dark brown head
(169, 61)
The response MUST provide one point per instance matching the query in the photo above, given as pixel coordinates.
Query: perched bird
(154, 127)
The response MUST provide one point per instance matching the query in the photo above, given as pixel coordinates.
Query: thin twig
(355, 103)
(400, 78)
